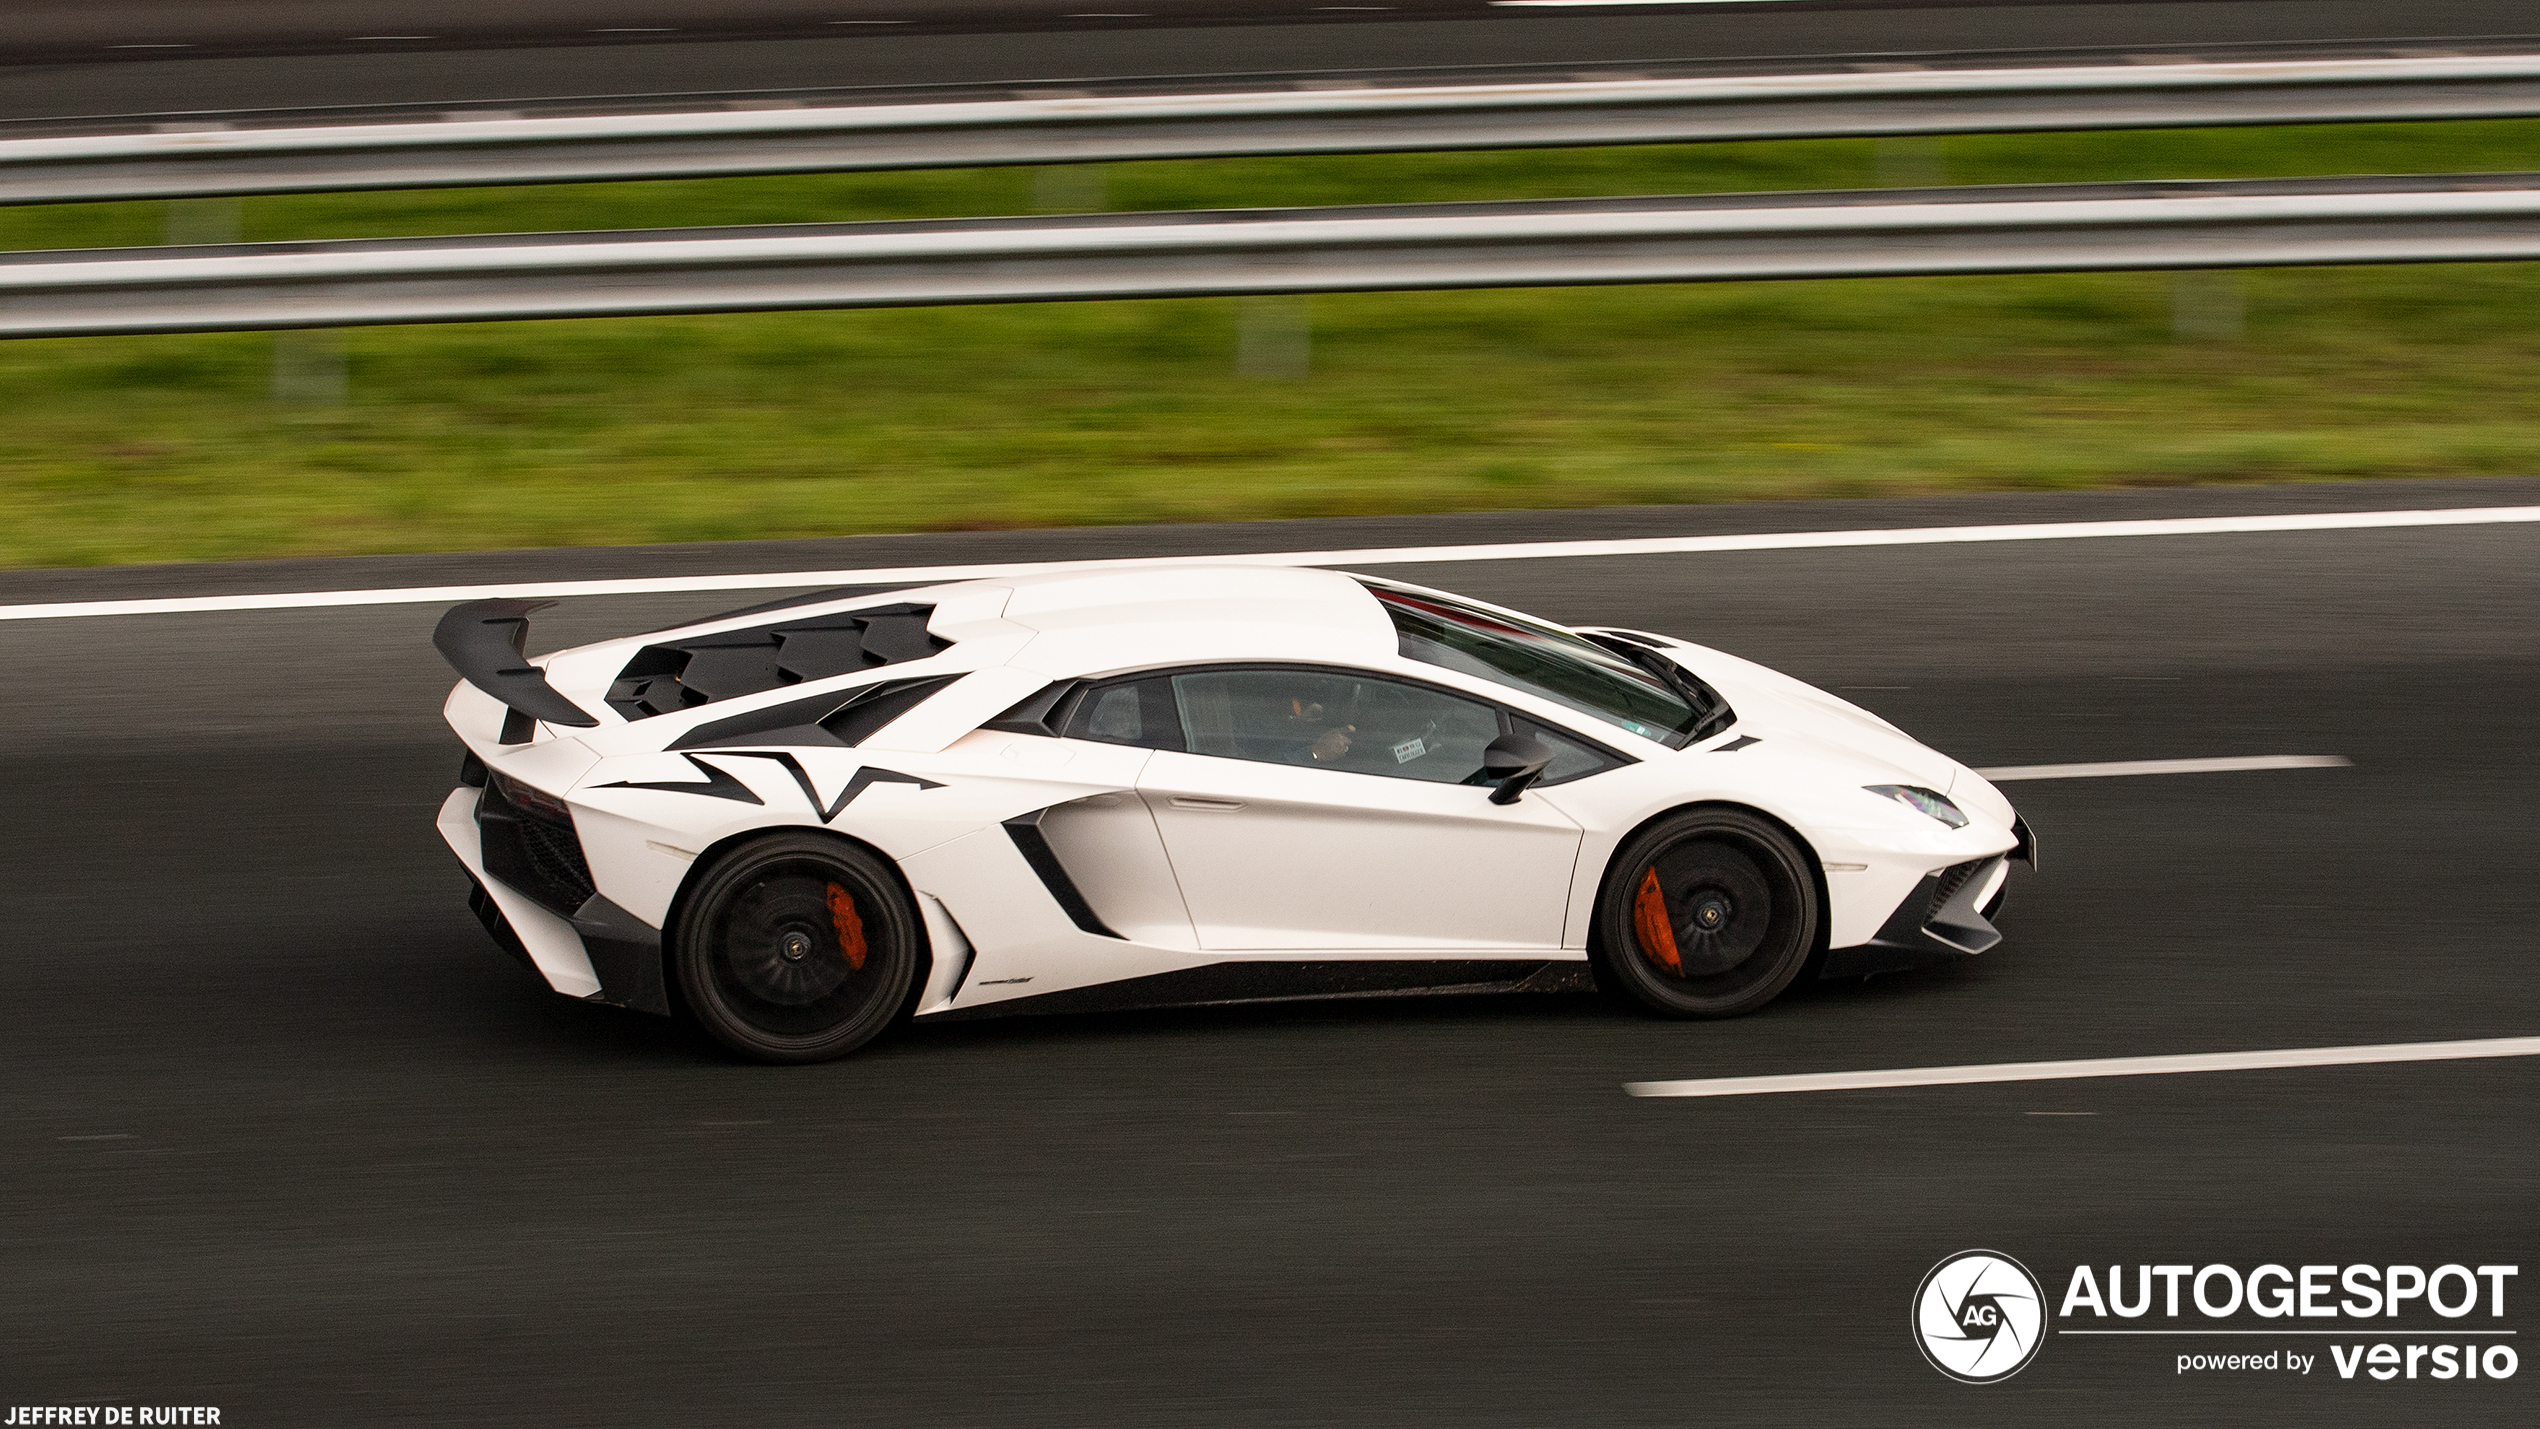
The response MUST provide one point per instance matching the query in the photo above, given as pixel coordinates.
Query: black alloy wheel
(796, 948)
(1706, 913)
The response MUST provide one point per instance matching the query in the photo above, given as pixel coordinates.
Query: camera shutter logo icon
(1979, 1316)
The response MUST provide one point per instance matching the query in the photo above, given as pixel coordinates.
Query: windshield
(1540, 659)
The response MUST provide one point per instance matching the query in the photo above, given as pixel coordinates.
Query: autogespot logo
(1979, 1316)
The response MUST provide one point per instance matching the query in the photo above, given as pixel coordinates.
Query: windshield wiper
(1710, 707)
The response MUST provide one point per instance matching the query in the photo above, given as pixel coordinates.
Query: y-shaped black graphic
(864, 779)
(719, 785)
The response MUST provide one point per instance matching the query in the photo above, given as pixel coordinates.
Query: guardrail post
(308, 367)
(1070, 188)
(2207, 305)
(1274, 337)
(193, 221)
(1909, 161)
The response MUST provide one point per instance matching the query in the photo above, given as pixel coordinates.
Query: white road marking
(2123, 767)
(1368, 556)
(2097, 1067)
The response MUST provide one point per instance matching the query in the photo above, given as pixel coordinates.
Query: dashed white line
(2096, 1067)
(1369, 556)
(2122, 768)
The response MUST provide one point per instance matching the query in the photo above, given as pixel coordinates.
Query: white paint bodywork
(1196, 860)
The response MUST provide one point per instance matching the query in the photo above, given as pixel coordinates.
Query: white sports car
(1157, 785)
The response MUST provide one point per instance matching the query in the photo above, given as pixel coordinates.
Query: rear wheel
(1706, 913)
(796, 948)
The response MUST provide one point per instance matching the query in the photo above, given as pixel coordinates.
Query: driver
(1326, 741)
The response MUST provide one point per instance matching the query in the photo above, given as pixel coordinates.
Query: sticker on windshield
(1409, 750)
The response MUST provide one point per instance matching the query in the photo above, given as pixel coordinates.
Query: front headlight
(1922, 800)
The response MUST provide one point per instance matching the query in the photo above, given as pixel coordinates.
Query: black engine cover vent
(683, 674)
(841, 718)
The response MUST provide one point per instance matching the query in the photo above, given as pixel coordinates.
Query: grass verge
(584, 432)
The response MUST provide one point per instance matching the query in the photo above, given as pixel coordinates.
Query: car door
(1314, 808)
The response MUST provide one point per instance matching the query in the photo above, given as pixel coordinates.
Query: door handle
(1215, 806)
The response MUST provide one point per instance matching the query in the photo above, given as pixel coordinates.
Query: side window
(1134, 712)
(1571, 758)
(1322, 719)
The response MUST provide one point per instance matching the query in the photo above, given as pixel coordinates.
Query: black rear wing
(487, 642)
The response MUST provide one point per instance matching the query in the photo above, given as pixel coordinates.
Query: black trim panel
(876, 707)
(1268, 981)
(795, 722)
(719, 784)
(839, 719)
(625, 953)
(498, 927)
(1938, 922)
(860, 781)
(1025, 830)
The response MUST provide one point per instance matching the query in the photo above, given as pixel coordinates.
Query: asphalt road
(62, 59)
(281, 1132)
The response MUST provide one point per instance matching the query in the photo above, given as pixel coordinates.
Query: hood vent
(674, 675)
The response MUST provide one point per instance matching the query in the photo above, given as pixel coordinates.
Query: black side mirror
(1512, 762)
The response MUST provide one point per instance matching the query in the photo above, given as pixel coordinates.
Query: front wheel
(796, 948)
(1706, 913)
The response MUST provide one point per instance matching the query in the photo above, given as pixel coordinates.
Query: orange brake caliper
(842, 915)
(1649, 920)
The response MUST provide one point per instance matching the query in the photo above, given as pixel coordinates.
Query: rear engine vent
(683, 674)
(527, 841)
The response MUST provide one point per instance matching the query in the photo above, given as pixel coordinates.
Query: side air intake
(674, 675)
(841, 717)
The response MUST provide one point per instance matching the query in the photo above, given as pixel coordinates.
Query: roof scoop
(487, 642)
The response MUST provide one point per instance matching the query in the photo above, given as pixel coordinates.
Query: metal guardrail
(2024, 229)
(477, 151)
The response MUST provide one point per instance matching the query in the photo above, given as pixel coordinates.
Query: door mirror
(1513, 761)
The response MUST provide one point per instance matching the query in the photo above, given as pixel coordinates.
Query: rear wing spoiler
(487, 642)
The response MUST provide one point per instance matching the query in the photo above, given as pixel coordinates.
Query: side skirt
(1220, 984)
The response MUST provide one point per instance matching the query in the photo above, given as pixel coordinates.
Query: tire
(796, 948)
(1706, 913)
